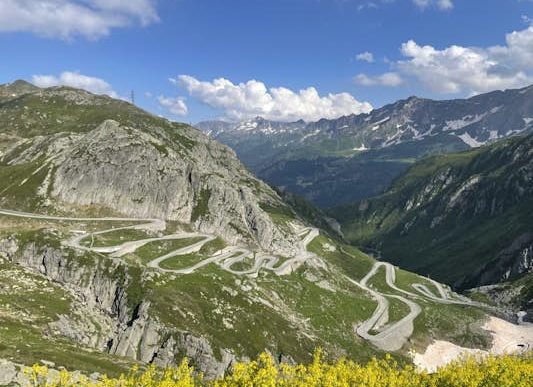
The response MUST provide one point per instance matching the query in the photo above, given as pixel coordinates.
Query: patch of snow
(440, 353)
(527, 120)
(382, 121)
(247, 126)
(493, 135)
(313, 133)
(361, 148)
(495, 109)
(470, 141)
(506, 338)
(466, 186)
(465, 121)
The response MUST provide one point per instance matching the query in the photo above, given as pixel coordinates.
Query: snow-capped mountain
(256, 141)
(301, 156)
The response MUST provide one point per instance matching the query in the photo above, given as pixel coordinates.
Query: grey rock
(124, 332)
(8, 372)
(146, 173)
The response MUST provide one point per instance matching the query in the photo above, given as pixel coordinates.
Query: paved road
(377, 329)
(391, 337)
(225, 258)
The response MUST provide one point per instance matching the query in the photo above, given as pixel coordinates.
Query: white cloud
(465, 70)
(387, 79)
(443, 5)
(365, 56)
(421, 3)
(174, 106)
(252, 98)
(440, 4)
(77, 80)
(70, 18)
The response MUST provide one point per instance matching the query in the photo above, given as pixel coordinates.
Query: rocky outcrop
(123, 329)
(14, 375)
(461, 218)
(511, 262)
(85, 150)
(150, 174)
(8, 372)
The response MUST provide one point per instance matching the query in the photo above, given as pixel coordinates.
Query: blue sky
(200, 59)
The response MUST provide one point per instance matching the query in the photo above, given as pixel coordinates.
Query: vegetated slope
(225, 271)
(64, 149)
(463, 218)
(502, 371)
(333, 162)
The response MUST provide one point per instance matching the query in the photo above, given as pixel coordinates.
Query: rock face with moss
(83, 150)
(112, 318)
(463, 218)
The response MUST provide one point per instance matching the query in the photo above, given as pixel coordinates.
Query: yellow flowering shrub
(504, 371)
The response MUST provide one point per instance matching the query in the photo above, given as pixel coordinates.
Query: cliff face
(112, 322)
(463, 218)
(115, 156)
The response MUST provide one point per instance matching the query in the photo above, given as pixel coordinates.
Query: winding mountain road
(225, 258)
(377, 329)
(393, 336)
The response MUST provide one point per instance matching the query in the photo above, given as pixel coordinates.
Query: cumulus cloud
(70, 18)
(465, 70)
(440, 4)
(366, 57)
(253, 98)
(443, 5)
(174, 106)
(387, 79)
(77, 80)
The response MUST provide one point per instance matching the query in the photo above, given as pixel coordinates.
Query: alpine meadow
(283, 193)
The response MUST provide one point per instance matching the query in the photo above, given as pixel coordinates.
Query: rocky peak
(16, 88)
(139, 165)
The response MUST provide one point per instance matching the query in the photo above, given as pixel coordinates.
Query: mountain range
(338, 161)
(127, 239)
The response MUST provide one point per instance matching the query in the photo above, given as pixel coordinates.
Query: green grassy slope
(455, 216)
(287, 315)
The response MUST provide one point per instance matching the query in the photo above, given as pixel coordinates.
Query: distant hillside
(463, 218)
(339, 161)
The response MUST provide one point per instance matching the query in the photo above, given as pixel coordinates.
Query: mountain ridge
(77, 151)
(462, 218)
(299, 158)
